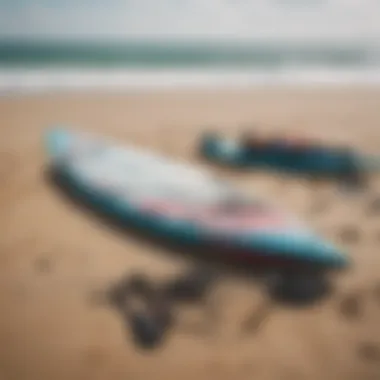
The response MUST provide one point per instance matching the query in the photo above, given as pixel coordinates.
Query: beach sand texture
(53, 256)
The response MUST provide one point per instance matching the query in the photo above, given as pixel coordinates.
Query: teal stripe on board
(177, 55)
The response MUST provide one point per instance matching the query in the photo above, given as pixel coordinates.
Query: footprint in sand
(319, 206)
(351, 306)
(374, 206)
(376, 293)
(43, 265)
(370, 352)
(349, 234)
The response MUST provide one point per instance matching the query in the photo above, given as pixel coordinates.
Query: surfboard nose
(302, 247)
(314, 249)
(326, 252)
(57, 142)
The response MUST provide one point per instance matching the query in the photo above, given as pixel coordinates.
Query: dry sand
(53, 256)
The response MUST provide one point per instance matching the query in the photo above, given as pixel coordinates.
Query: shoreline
(15, 94)
(49, 80)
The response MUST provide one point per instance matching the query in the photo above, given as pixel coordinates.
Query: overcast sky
(340, 19)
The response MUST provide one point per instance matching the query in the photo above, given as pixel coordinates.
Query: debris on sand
(351, 306)
(353, 183)
(190, 287)
(141, 285)
(148, 330)
(257, 318)
(153, 317)
(298, 289)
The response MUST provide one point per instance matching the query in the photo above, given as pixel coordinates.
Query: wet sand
(53, 256)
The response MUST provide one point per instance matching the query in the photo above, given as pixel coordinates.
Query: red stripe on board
(214, 220)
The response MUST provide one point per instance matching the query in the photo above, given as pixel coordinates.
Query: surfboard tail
(56, 142)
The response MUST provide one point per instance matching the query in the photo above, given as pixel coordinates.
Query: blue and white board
(182, 202)
(302, 159)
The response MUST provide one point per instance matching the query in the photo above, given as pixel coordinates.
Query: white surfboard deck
(176, 189)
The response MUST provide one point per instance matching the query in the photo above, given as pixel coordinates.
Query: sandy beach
(53, 256)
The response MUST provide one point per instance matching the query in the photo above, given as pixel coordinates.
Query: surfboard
(182, 202)
(301, 157)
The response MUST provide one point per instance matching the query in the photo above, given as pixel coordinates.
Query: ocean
(41, 66)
